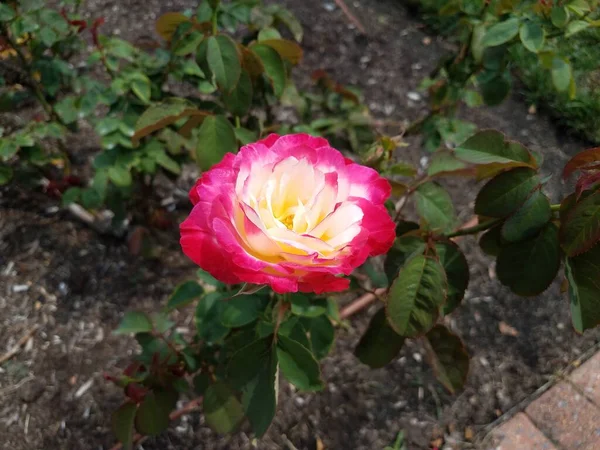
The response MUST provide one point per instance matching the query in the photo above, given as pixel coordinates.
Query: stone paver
(520, 434)
(587, 377)
(567, 417)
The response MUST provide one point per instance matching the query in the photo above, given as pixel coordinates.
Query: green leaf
(456, 267)
(6, 174)
(245, 136)
(207, 317)
(201, 383)
(240, 311)
(416, 296)
(580, 230)
(48, 36)
(435, 206)
(490, 146)
(501, 32)
(529, 267)
(575, 27)
(216, 137)
(495, 88)
(322, 336)
(253, 369)
(166, 162)
(188, 43)
(238, 102)
(559, 16)
(402, 168)
(274, 67)
(152, 416)
(528, 219)
(561, 74)
(141, 86)
(448, 358)
(6, 12)
(286, 17)
(70, 195)
(222, 410)
(122, 423)
(491, 241)
(404, 248)
(377, 277)
(298, 365)
(184, 294)
(380, 343)
(91, 198)
(584, 288)
(8, 149)
(505, 193)
(445, 162)
(134, 322)
(268, 33)
(207, 278)
(532, 36)
(303, 305)
(224, 61)
(120, 176)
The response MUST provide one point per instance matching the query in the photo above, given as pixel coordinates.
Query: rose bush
(290, 212)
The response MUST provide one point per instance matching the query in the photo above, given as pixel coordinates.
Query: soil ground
(75, 284)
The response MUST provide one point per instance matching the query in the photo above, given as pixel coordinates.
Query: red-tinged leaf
(162, 115)
(586, 182)
(448, 358)
(585, 160)
(288, 50)
(167, 24)
(580, 230)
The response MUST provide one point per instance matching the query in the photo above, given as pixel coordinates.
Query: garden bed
(75, 284)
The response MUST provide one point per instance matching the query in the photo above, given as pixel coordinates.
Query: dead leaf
(469, 434)
(436, 443)
(320, 445)
(507, 330)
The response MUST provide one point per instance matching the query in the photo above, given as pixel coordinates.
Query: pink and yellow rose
(290, 212)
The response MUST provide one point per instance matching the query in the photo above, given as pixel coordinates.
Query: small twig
(19, 344)
(361, 303)
(350, 16)
(189, 407)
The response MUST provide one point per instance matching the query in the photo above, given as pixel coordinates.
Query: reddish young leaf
(580, 230)
(585, 160)
(586, 182)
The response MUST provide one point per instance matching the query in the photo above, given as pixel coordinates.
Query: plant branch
(37, 90)
(189, 407)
